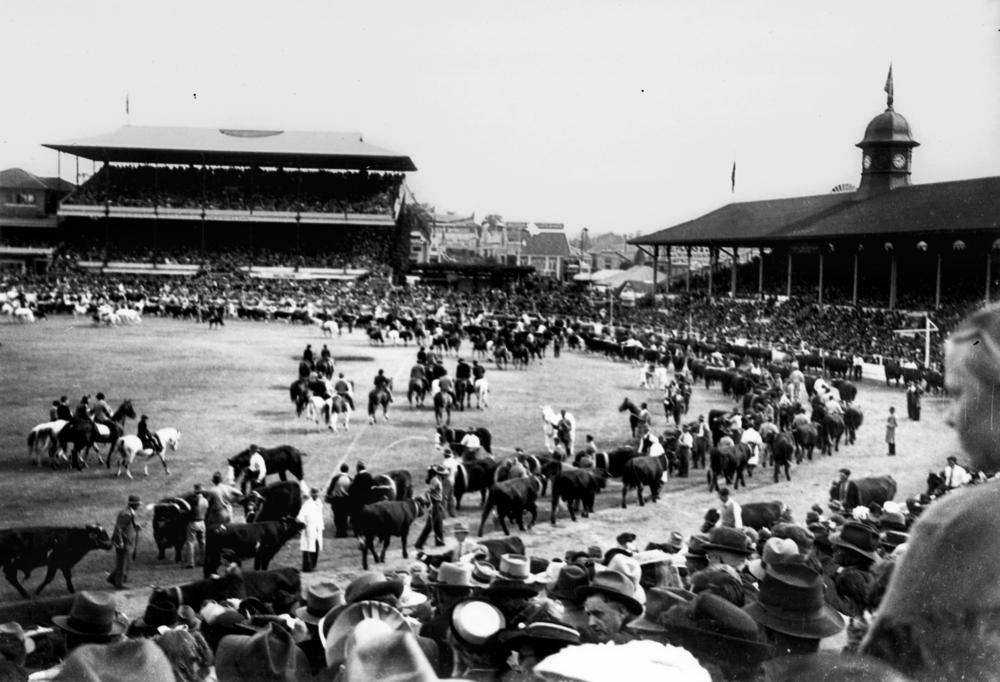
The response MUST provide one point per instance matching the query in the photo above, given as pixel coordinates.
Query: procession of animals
(552, 462)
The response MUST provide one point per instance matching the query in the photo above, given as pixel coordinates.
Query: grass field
(226, 389)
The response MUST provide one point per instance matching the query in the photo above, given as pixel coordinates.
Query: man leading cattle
(124, 539)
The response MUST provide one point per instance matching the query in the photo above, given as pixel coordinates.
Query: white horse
(481, 387)
(328, 328)
(79, 309)
(317, 410)
(24, 315)
(128, 316)
(550, 422)
(129, 447)
(45, 436)
(107, 316)
(393, 335)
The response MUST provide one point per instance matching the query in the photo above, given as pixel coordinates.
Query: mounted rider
(345, 389)
(463, 375)
(307, 354)
(82, 411)
(478, 371)
(383, 382)
(149, 439)
(101, 414)
(422, 356)
(445, 384)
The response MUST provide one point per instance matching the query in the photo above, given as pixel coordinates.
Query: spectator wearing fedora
(855, 550)
(564, 590)
(724, 581)
(657, 569)
(792, 611)
(609, 602)
(512, 586)
(269, 655)
(474, 636)
(124, 538)
(696, 558)
(435, 513)
(92, 619)
(321, 599)
(465, 550)
(728, 546)
(453, 583)
(135, 659)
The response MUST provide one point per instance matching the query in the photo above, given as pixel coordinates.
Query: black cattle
(274, 502)
(806, 436)
(281, 460)
(729, 462)
(368, 489)
(853, 417)
(864, 491)
(171, 517)
(644, 471)
(384, 520)
(279, 587)
(718, 423)
(511, 498)
(611, 463)
(832, 430)
(57, 548)
(452, 438)
(837, 366)
(935, 381)
(576, 486)
(848, 391)
(472, 477)
(244, 540)
(545, 466)
(759, 515)
(893, 372)
(782, 451)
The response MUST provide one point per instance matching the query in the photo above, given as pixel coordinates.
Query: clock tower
(886, 151)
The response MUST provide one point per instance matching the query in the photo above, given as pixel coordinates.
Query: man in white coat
(311, 538)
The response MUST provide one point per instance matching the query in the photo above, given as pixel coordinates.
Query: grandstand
(290, 204)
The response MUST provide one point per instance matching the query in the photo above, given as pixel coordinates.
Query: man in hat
(847, 491)
(221, 498)
(344, 389)
(337, 495)
(474, 637)
(255, 474)
(92, 619)
(610, 603)
(435, 514)
(536, 641)
(465, 550)
(124, 538)
(685, 445)
(730, 511)
(62, 409)
(564, 590)
(15, 645)
(855, 552)
(271, 654)
(195, 541)
(955, 475)
(449, 462)
(311, 538)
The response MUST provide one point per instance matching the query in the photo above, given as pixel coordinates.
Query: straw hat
(334, 638)
(475, 622)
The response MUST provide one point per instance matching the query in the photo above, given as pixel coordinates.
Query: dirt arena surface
(228, 388)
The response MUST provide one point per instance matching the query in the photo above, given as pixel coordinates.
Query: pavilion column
(820, 299)
(656, 269)
(788, 283)
(760, 274)
(892, 282)
(670, 267)
(713, 258)
(688, 277)
(854, 290)
(937, 283)
(732, 275)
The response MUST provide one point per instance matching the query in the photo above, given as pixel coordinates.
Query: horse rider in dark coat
(383, 382)
(307, 354)
(82, 411)
(343, 388)
(478, 371)
(325, 353)
(62, 409)
(149, 438)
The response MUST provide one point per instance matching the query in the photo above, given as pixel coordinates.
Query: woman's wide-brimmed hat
(334, 639)
(857, 537)
(791, 602)
(614, 585)
(92, 615)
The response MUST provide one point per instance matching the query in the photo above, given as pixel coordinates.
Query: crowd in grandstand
(240, 189)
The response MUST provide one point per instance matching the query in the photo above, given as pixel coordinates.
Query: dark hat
(92, 615)
(726, 539)
(892, 521)
(483, 573)
(716, 630)
(845, 470)
(570, 579)
(857, 537)
(438, 469)
(158, 613)
(544, 632)
(696, 546)
(371, 585)
(791, 602)
(133, 659)
(951, 458)
(270, 654)
(625, 538)
(320, 599)
(134, 499)
(891, 539)
(821, 535)
(659, 600)
(614, 585)
(800, 535)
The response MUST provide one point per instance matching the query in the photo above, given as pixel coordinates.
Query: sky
(615, 116)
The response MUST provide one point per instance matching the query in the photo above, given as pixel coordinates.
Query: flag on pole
(888, 87)
(126, 103)
(732, 179)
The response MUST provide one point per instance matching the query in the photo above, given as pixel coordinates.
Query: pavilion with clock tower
(886, 152)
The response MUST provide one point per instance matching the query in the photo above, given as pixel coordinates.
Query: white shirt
(435, 387)
(311, 514)
(955, 476)
(751, 436)
(686, 440)
(655, 448)
(451, 464)
(257, 465)
(471, 441)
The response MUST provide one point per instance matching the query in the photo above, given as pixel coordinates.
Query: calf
(383, 520)
(759, 515)
(644, 471)
(278, 587)
(575, 486)
(472, 477)
(274, 502)
(244, 540)
(511, 498)
(171, 516)
(57, 548)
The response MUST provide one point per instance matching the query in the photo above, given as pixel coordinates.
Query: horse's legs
(11, 573)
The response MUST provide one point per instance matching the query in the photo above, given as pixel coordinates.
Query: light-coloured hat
(335, 640)
(776, 551)
(320, 599)
(475, 621)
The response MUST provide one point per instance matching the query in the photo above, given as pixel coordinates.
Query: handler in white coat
(311, 538)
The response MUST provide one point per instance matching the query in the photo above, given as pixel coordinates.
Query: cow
(244, 540)
(611, 463)
(511, 498)
(644, 471)
(729, 462)
(171, 516)
(806, 436)
(864, 491)
(274, 502)
(57, 548)
(281, 460)
(853, 417)
(472, 477)
(782, 451)
(445, 436)
(366, 489)
(542, 465)
(832, 429)
(383, 520)
(759, 515)
(576, 486)
(279, 587)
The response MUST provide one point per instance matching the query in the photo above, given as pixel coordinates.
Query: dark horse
(501, 356)
(463, 393)
(418, 389)
(86, 435)
(633, 415)
(281, 460)
(378, 397)
(442, 408)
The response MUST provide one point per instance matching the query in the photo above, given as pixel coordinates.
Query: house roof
(18, 178)
(944, 207)
(546, 244)
(58, 184)
(232, 147)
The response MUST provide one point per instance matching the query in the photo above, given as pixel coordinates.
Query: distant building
(28, 206)
(544, 247)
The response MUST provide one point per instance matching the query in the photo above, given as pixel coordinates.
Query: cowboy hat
(614, 585)
(92, 616)
(320, 599)
(270, 654)
(475, 622)
(726, 539)
(334, 638)
(791, 602)
(857, 537)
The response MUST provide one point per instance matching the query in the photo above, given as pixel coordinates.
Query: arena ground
(226, 389)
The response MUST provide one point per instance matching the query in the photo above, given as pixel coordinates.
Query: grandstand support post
(732, 275)
(937, 283)
(760, 273)
(892, 282)
(713, 259)
(788, 283)
(77, 170)
(854, 289)
(59, 166)
(820, 299)
(656, 271)
(670, 267)
(687, 277)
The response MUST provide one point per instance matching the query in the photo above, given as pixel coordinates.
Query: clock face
(898, 161)
(866, 162)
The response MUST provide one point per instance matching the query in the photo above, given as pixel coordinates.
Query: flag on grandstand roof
(888, 87)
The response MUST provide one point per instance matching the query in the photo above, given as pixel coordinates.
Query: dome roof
(888, 127)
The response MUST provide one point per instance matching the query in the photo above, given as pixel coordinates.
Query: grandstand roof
(231, 147)
(937, 208)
